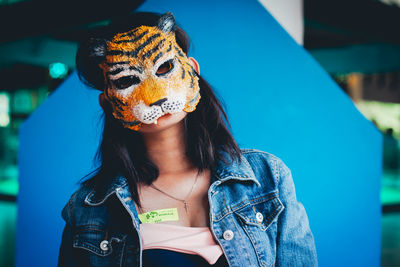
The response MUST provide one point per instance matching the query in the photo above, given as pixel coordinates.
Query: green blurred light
(9, 187)
(390, 195)
(22, 101)
(58, 70)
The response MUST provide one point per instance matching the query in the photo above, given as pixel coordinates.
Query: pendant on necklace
(186, 206)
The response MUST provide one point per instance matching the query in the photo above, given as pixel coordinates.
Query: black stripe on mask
(149, 53)
(147, 42)
(157, 57)
(114, 72)
(179, 52)
(183, 73)
(135, 39)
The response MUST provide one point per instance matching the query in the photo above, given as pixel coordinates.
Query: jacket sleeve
(68, 256)
(295, 241)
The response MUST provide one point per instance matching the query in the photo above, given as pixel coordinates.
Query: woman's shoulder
(91, 195)
(267, 167)
(75, 203)
(260, 157)
(257, 152)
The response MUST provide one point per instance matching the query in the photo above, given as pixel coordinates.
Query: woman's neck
(167, 149)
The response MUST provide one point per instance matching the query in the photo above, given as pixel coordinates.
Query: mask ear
(167, 22)
(97, 48)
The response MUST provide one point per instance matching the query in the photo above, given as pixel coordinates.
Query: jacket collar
(224, 170)
(233, 170)
(97, 196)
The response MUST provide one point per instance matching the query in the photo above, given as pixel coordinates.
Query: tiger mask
(147, 75)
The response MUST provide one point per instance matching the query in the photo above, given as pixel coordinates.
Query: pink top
(190, 240)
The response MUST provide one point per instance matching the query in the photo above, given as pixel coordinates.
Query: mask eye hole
(165, 68)
(126, 81)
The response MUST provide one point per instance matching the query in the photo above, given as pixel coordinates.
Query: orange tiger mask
(148, 75)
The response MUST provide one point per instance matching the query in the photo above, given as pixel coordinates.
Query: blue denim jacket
(254, 216)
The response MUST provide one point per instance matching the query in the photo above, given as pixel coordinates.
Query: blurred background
(356, 41)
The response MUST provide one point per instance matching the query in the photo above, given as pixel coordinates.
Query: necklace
(185, 201)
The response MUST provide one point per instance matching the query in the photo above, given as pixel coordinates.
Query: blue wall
(278, 99)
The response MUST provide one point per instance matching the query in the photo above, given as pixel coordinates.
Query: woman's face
(149, 79)
(166, 121)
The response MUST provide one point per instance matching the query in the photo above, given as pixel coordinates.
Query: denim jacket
(254, 216)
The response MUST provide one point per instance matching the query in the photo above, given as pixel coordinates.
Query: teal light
(58, 70)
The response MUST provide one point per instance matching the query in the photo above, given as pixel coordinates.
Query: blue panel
(57, 144)
(279, 100)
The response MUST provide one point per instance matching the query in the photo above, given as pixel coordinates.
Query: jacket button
(259, 217)
(228, 235)
(104, 245)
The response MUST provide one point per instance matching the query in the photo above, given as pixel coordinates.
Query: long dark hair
(122, 151)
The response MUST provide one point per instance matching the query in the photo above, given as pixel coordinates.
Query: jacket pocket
(258, 220)
(260, 211)
(101, 247)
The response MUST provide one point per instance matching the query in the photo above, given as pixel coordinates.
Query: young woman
(173, 187)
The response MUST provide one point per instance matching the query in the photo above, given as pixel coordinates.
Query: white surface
(289, 13)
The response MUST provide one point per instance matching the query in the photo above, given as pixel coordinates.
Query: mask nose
(158, 102)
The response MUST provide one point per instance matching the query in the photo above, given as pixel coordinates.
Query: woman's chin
(163, 122)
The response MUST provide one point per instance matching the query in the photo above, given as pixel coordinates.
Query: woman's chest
(188, 210)
(245, 229)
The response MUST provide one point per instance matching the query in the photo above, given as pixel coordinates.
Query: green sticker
(157, 216)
